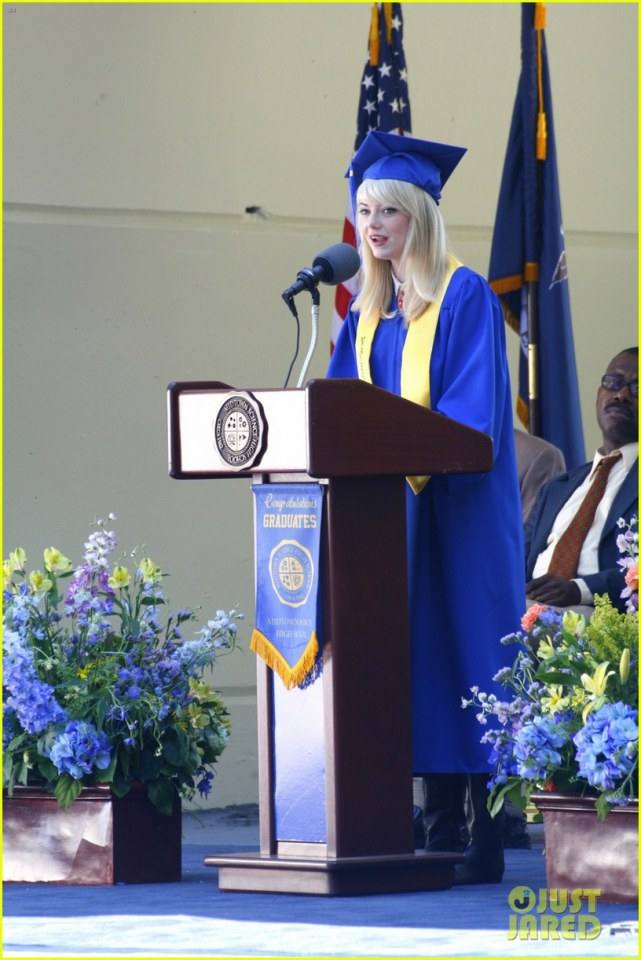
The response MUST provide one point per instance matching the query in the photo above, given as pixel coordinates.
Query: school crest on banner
(288, 531)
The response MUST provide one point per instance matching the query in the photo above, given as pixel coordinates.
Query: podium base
(340, 877)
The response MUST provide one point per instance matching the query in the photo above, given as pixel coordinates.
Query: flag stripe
(383, 105)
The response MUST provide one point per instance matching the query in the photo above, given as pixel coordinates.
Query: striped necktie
(565, 557)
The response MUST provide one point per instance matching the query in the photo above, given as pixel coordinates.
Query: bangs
(392, 192)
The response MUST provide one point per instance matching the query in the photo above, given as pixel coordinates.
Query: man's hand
(553, 590)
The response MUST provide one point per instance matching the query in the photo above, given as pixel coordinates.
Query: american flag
(384, 104)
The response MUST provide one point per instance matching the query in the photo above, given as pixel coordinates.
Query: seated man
(537, 461)
(570, 537)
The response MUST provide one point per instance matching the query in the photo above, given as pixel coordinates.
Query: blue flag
(528, 247)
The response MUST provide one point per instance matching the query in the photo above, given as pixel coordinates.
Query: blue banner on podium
(288, 531)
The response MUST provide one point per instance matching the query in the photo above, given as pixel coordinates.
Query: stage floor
(193, 919)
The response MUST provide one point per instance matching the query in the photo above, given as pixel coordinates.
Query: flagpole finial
(540, 16)
(541, 120)
(373, 37)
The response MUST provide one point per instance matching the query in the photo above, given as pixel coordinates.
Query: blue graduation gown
(465, 534)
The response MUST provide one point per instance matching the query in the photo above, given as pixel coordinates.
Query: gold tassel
(373, 37)
(291, 676)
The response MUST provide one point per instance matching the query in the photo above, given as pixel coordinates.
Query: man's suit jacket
(553, 495)
(537, 461)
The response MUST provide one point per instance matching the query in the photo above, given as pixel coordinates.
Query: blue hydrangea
(606, 746)
(537, 745)
(80, 748)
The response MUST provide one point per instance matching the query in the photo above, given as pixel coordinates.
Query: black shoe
(465, 873)
(515, 835)
(444, 844)
(517, 840)
(480, 866)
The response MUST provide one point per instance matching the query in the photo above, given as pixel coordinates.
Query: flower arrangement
(571, 725)
(628, 547)
(97, 689)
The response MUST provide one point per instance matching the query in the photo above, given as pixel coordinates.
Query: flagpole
(534, 420)
(540, 141)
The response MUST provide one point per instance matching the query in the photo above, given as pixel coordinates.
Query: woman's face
(384, 229)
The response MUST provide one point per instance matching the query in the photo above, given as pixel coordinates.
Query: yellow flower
(84, 672)
(595, 686)
(597, 683)
(56, 562)
(149, 572)
(624, 665)
(17, 559)
(6, 574)
(556, 701)
(545, 649)
(39, 583)
(574, 622)
(578, 698)
(119, 578)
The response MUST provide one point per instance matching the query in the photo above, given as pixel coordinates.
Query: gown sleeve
(473, 379)
(343, 361)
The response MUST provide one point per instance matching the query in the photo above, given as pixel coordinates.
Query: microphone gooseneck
(332, 265)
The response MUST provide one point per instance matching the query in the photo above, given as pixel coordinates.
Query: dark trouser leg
(444, 811)
(484, 862)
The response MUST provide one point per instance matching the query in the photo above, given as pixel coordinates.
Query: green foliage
(100, 686)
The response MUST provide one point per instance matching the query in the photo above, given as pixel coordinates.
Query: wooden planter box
(98, 839)
(583, 851)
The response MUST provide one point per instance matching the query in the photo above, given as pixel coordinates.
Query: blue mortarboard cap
(391, 156)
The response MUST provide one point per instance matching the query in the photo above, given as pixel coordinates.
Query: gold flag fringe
(291, 676)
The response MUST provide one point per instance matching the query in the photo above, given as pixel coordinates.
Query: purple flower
(204, 785)
(32, 700)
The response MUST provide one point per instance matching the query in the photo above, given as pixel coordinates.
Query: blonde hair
(424, 254)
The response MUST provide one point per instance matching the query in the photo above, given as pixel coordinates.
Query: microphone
(333, 265)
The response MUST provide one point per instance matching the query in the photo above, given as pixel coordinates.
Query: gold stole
(417, 353)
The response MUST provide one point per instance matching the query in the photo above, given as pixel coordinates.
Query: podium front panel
(299, 763)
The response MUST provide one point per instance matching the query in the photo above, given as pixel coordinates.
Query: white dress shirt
(589, 558)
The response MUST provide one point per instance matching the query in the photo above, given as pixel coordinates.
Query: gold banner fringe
(291, 676)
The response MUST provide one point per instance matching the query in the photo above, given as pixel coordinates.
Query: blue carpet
(193, 919)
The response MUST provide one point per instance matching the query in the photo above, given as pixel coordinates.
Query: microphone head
(337, 263)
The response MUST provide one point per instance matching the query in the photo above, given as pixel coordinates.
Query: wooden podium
(335, 768)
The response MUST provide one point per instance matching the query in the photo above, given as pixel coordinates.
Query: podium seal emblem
(291, 569)
(239, 431)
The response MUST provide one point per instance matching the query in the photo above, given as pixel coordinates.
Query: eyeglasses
(616, 381)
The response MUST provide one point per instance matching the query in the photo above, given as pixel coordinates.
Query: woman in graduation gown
(428, 328)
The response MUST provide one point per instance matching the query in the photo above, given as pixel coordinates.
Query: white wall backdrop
(135, 137)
